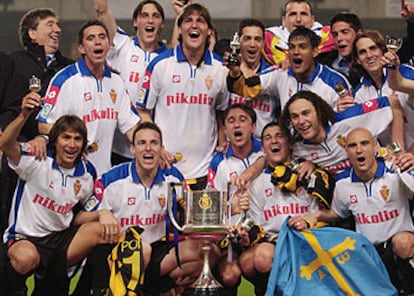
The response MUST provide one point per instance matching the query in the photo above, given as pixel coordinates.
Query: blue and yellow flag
(327, 261)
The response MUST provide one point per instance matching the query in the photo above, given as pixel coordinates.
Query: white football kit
(46, 195)
(380, 206)
(366, 90)
(225, 165)
(121, 191)
(103, 105)
(127, 57)
(375, 115)
(269, 206)
(184, 99)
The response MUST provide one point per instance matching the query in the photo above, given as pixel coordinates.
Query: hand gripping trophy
(235, 47)
(35, 84)
(394, 44)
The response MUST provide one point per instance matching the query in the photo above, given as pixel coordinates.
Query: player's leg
(23, 260)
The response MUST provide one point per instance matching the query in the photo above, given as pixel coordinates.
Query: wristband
(44, 136)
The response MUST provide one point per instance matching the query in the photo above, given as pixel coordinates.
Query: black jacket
(23, 64)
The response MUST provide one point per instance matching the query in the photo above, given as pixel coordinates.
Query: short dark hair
(297, 1)
(30, 21)
(347, 17)
(268, 125)
(141, 5)
(88, 24)
(203, 12)
(307, 33)
(244, 107)
(324, 111)
(146, 125)
(251, 22)
(65, 123)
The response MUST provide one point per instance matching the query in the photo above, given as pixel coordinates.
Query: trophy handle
(170, 201)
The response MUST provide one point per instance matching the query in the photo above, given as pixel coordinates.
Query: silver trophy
(235, 47)
(35, 84)
(394, 44)
(205, 215)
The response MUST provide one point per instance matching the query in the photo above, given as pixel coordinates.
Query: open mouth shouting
(148, 158)
(150, 29)
(194, 34)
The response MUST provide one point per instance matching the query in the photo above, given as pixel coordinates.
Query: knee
(263, 259)
(231, 274)
(403, 245)
(23, 262)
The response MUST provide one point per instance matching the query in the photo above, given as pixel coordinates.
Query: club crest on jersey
(341, 140)
(113, 95)
(176, 78)
(77, 187)
(161, 200)
(209, 81)
(268, 192)
(385, 192)
(87, 96)
(131, 201)
(134, 58)
(353, 199)
(314, 155)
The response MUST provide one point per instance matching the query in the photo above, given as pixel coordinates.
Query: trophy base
(205, 292)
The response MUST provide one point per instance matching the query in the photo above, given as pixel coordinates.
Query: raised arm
(8, 141)
(104, 14)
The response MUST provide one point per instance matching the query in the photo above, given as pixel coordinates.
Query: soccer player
(244, 149)
(185, 87)
(92, 91)
(296, 14)
(369, 47)
(136, 192)
(381, 210)
(44, 235)
(131, 55)
(305, 74)
(265, 200)
(251, 32)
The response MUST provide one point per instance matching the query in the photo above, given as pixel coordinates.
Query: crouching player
(376, 194)
(44, 235)
(275, 195)
(136, 194)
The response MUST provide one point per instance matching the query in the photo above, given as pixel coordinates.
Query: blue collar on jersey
(160, 49)
(135, 177)
(79, 167)
(366, 80)
(327, 131)
(83, 68)
(182, 58)
(381, 169)
(257, 145)
(315, 74)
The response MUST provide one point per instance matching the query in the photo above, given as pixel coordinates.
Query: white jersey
(380, 206)
(46, 195)
(366, 90)
(185, 99)
(130, 60)
(103, 105)
(226, 165)
(267, 107)
(329, 154)
(120, 190)
(283, 84)
(269, 206)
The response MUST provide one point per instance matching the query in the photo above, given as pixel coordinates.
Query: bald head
(361, 147)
